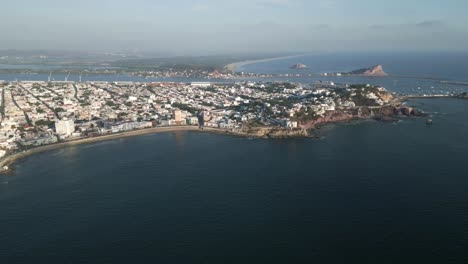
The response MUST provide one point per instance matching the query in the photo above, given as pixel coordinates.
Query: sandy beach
(236, 65)
(11, 159)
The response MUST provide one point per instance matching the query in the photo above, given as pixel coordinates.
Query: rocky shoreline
(386, 113)
(271, 133)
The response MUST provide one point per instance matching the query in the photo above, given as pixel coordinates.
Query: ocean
(365, 192)
(436, 65)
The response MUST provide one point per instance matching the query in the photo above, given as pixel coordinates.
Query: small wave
(57, 153)
(141, 136)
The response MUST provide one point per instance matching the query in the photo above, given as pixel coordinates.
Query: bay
(366, 192)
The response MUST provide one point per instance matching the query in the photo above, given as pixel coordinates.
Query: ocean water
(367, 192)
(442, 65)
(410, 73)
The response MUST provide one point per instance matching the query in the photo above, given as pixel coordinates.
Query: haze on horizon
(219, 26)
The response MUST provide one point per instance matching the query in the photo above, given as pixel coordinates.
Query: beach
(267, 132)
(8, 161)
(236, 65)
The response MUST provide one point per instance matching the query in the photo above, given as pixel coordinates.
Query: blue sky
(220, 26)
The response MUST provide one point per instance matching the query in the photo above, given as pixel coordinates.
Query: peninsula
(38, 116)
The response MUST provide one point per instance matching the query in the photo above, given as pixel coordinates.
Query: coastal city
(42, 113)
(248, 131)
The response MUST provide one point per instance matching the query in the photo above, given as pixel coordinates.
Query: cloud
(328, 4)
(213, 4)
(425, 24)
(430, 24)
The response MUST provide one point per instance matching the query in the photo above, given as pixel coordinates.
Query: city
(42, 113)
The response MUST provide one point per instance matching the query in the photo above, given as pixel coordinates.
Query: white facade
(291, 124)
(200, 84)
(65, 127)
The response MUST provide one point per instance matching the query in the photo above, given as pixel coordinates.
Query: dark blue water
(366, 192)
(442, 65)
(426, 70)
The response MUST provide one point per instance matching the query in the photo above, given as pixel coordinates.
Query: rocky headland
(271, 132)
(374, 71)
(387, 113)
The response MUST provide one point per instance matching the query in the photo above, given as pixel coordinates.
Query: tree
(44, 123)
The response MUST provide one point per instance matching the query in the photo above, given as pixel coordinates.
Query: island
(298, 66)
(374, 71)
(38, 116)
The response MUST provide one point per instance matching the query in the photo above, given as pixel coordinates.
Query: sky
(190, 27)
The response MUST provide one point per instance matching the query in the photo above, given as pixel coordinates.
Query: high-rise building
(179, 118)
(65, 127)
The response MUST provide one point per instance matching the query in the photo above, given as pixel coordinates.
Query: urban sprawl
(41, 113)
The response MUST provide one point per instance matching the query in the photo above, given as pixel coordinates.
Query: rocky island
(374, 71)
(298, 66)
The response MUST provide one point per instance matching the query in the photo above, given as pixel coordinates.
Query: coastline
(11, 159)
(236, 65)
(385, 112)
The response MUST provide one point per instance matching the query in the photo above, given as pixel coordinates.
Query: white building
(291, 124)
(65, 127)
(201, 84)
